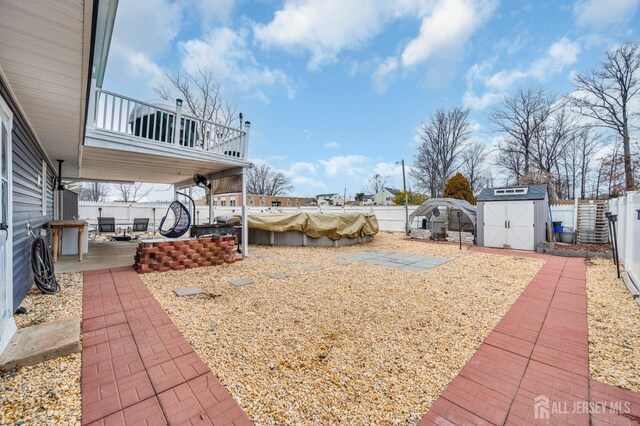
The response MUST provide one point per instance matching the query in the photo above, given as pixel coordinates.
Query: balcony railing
(155, 124)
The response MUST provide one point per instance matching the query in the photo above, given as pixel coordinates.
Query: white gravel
(354, 344)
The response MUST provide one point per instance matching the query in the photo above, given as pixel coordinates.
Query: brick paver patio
(537, 355)
(137, 368)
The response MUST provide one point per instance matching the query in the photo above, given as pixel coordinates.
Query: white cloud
(142, 32)
(212, 11)
(227, 54)
(560, 55)
(349, 165)
(389, 169)
(307, 181)
(380, 77)
(602, 13)
(322, 27)
(446, 29)
(146, 26)
(301, 166)
(473, 101)
(331, 145)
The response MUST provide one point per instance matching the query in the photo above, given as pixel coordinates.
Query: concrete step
(39, 343)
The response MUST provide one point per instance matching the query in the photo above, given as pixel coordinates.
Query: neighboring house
(385, 196)
(53, 56)
(368, 200)
(311, 202)
(253, 200)
(333, 199)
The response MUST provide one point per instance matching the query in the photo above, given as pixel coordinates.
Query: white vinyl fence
(628, 233)
(390, 218)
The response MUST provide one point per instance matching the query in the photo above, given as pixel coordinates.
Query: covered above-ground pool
(312, 229)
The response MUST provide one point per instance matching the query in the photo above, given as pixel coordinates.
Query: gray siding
(541, 218)
(27, 196)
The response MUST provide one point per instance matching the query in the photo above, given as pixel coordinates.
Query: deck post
(245, 219)
(177, 126)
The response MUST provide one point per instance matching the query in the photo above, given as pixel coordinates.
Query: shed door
(520, 232)
(495, 224)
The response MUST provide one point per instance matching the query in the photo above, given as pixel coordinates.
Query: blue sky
(336, 90)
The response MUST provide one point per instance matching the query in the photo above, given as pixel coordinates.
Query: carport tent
(426, 209)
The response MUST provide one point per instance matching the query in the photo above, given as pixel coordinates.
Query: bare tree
(473, 159)
(443, 137)
(376, 183)
(132, 192)
(551, 139)
(519, 118)
(588, 142)
(604, 95)
(263, 180)
(94, 191)
(511, 159)
(201, 95)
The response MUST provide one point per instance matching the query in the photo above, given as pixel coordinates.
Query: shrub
(458, 187)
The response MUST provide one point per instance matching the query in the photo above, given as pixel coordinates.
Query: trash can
(557, 227)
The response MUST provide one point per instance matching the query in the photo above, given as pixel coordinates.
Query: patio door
(7, 325)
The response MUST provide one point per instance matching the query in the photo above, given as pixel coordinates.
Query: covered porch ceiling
(112, 165)
(45, 56)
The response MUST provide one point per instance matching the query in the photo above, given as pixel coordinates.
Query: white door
(7, 325)
(495, 224)
(520, 232)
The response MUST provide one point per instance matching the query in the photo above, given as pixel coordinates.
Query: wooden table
(56, 229)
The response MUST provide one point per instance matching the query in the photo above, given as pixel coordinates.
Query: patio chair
(181, 224)
(106, 225)
(140, 225)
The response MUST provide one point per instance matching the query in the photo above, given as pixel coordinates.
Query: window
(223, 203)
(510, 191)
(214, 202)
(288, 202)
(232, 202)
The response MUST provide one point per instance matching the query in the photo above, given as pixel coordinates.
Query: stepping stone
(278, 275)
(241, 281)
(288, 262)
(312, 268)
(187, 291)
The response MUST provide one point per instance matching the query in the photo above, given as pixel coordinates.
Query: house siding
(27, 196)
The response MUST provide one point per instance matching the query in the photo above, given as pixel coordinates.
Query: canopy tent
(431, 204)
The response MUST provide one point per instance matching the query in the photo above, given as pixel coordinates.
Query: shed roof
(534, 192)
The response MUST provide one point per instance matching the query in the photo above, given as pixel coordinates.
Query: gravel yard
(354, 343)
(614, 335)
(47, 393)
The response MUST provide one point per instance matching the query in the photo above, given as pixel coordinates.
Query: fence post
(630, 216)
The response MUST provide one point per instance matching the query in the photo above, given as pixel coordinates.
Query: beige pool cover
(316, 225)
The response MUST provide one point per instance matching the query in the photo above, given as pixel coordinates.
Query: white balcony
(140, 140)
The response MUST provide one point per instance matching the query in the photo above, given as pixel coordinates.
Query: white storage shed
(514, 217)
